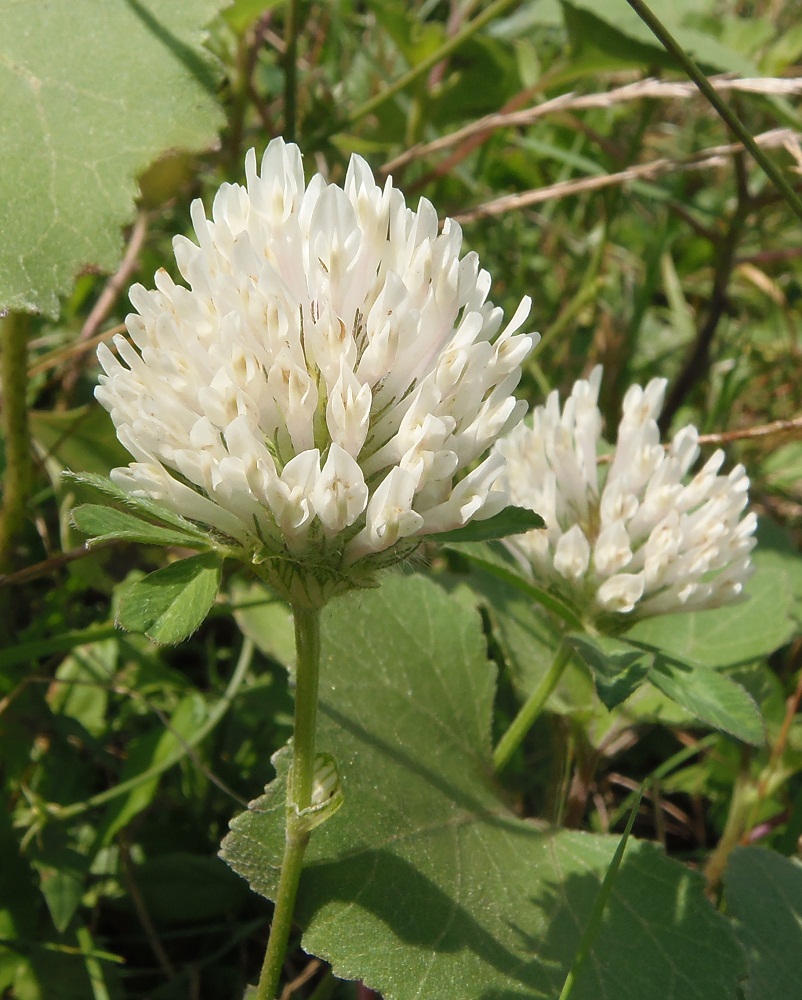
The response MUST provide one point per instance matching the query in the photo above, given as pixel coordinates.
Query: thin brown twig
(55, 358)
(641, 89)
(467, 146)
(653, 795)
(771, 256)
(47, 566)
(117, 282)
(303, 977)
(715, 156)
(791, 427)
(111, 292)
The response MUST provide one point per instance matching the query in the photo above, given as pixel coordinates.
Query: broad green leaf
(171, 603)
(617, 668)
(741, 632)
(426, 883)
(763, 891)
(782, 468)
(710, 696)
(92, 93)
(510, 521)
(242, 13)
(103, 523)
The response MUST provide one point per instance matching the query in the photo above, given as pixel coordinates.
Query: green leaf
(617, 668)
(171, 603)
(242, 13)
(62, 890)
(510, 521)
(710, 696)
(143, 506)
(92, 93)
(763, 892)
(426, 882)
(84, 679)
(104, 523)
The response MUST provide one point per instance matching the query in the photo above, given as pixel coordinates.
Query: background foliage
(600, 187)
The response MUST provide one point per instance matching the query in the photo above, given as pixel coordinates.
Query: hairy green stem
(17, 476)
(531, 709)
(419, 69)
(291, 70)
(299, 795)
(735, 124)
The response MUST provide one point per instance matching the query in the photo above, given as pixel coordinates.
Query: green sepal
(170, 604)
(510, 521)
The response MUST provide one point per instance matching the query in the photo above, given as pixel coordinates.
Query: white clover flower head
(627, 538)
(322, 387)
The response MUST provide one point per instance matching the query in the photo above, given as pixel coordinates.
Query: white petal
(621, 592)
(389, 516)
(572, 554)
(340, 494)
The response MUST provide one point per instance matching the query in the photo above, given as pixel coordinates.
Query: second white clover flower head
(626, 537)
(330, 381)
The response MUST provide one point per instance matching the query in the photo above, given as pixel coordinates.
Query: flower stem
(299, 795)
(531, 709)
(736, 823)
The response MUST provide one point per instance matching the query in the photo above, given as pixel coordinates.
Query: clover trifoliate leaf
(171, 603)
